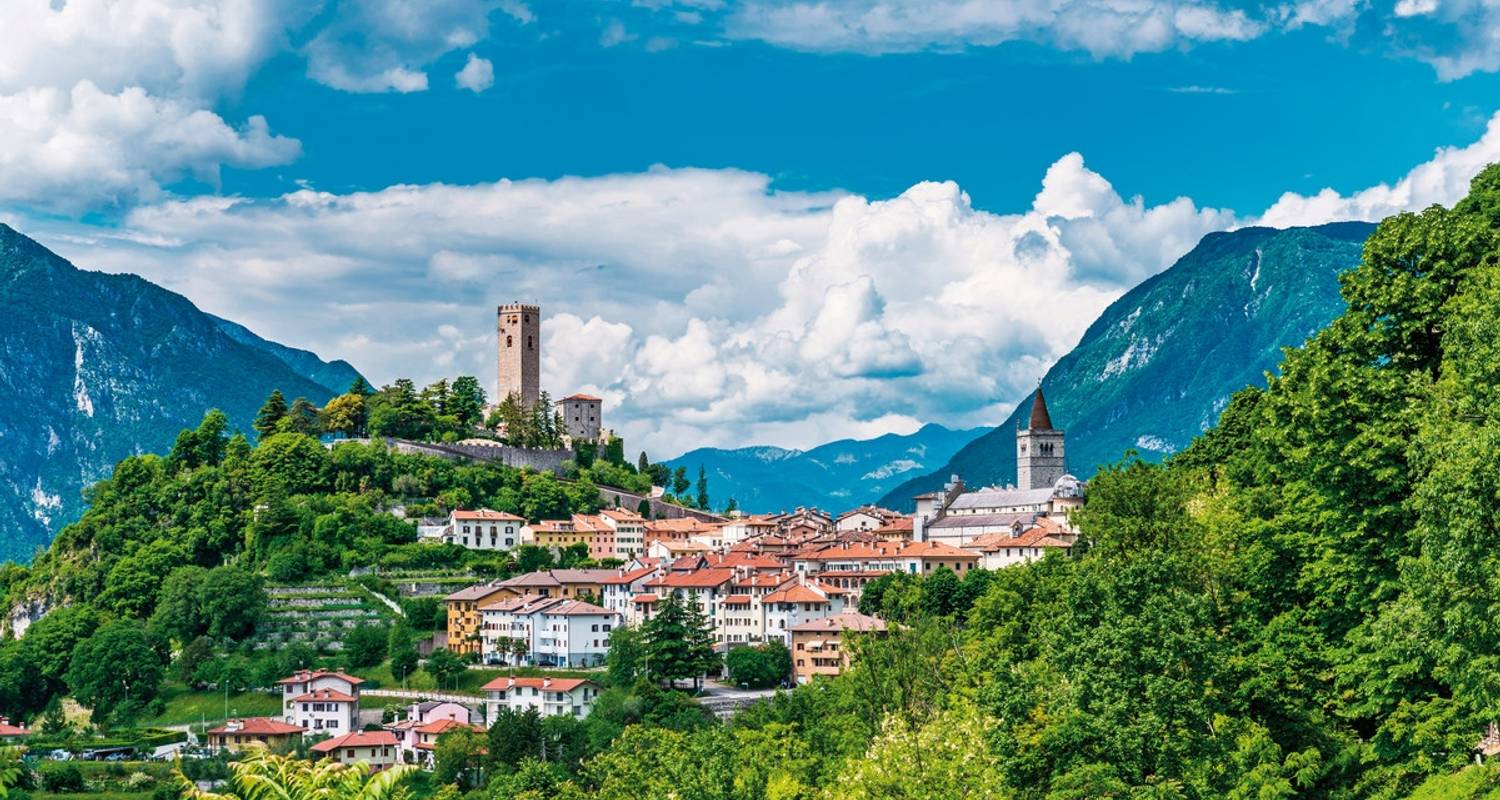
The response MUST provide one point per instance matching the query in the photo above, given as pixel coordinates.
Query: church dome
(1067, 486)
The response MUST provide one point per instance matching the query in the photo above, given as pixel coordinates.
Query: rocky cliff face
(95, 367)
(1160, 363)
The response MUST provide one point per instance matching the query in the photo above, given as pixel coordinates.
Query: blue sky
(768, 221)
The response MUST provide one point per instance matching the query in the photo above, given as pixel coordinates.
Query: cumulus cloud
(1442, 180)
(71, 150)
(385, 45)
(705, 306)
(195, 48)
(477, 75)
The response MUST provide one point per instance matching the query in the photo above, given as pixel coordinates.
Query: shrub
(60, 776)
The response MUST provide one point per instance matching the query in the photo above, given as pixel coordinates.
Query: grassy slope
(186, 706)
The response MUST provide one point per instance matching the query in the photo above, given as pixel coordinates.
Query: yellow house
(464, 618)
(237, 735)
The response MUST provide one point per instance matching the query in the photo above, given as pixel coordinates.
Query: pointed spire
(1040, 419)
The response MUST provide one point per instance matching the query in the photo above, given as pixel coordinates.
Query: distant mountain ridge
(1160, 363)
(95, 367)
(835, 477)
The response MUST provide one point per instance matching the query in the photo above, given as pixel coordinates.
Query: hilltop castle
(518, 359)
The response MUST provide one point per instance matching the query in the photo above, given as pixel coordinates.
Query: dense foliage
(1301, 604)
(172, 560)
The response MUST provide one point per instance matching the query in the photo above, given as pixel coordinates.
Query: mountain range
(1160, 363)
(837, 475)
(95, 367)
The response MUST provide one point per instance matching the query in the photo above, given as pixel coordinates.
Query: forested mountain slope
(1159, 364)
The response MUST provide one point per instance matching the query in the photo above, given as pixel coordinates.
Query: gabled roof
(356, 739)
(523, 604)
(983, 520)
(479, 592)
(699, 579)
(1001, 498)
(257, 726)
(846, 621)
(547, 684)
(442, 726)
(576, 608)
(580, 397)
(622, 515)
(796, 593)
(628, 577)
(486, 514)
(1031, 537)
(324, 696)
(305, 675)
(933, 550)
(8, 730)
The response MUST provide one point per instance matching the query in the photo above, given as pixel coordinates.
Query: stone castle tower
(519, 352)
(1039, 449)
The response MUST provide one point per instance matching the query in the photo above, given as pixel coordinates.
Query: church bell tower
(1039, 448)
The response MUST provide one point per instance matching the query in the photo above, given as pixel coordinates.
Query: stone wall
(518, 457)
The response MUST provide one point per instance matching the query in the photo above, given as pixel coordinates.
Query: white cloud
(385, 45)
(704, 306)
(70, 150)
(1104, 28)
(1442, 180)
(196, 48)
(477, 75)
(614, 33)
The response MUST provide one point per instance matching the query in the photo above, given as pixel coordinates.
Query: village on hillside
(753, 602)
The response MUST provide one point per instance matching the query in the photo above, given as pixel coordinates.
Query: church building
(957, 516)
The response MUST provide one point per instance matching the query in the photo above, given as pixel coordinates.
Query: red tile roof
(442, 726)
(796, 593)
(700, 579)
(645, 598)
(324, 696)
(737, 600)
(357, 739)
(258, 726)
(303, 676)
(8, 730)
(627, 577)
(548, 684)
(585, 397)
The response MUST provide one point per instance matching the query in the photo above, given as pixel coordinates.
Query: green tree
(680, 483)
(50, 641)
(625, 660)
(703, 488)
(459, 758)
(466, 402)
(345, 414)
(678, 643)
(759, 666)
(115, 671)
(515, 736)
(179, 605)
(365, 646)
(444, 667)
(233, 602)
(303, 418)
(270, 415)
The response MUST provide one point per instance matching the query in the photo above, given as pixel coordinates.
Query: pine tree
(360, 387)
(642, 463)
(679, 643)
(271, 413)
(702, 488)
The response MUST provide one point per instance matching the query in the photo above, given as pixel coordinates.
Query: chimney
(546, 682)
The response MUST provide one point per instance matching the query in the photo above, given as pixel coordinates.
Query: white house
(617, 591)
(630, 531)
(865, 518)
(483, 529)
(377, 749)
(321, 701)
(1022, 543)
(798, 602)
(572, 633)
(556, 631)
(549, 696)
